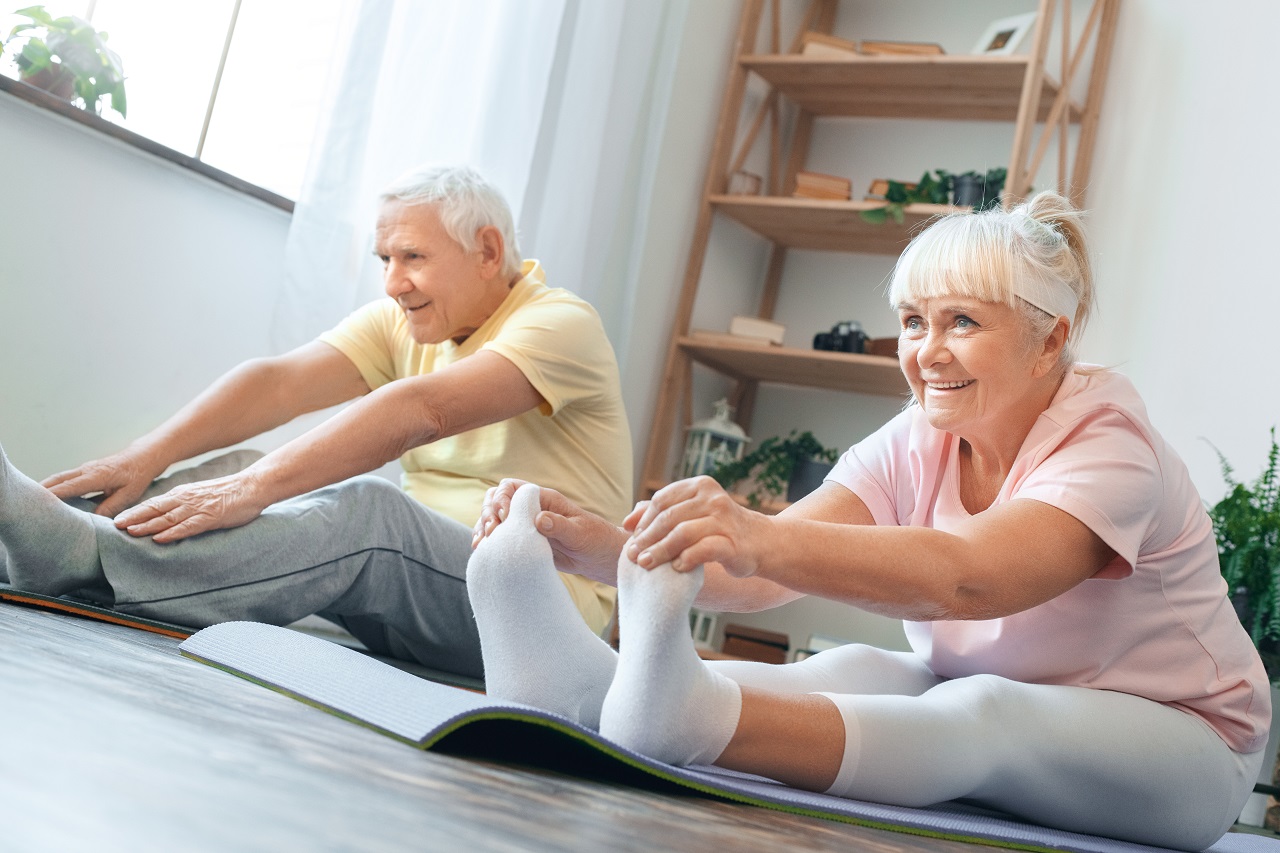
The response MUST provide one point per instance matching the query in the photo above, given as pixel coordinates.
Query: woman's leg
(1085, 760)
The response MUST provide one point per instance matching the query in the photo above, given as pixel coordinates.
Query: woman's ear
(1054, 344)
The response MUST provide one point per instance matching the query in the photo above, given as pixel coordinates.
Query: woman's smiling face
(971, 364)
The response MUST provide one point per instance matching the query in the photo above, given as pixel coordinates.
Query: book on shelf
(899, 48)
(880, 186)
(757, 327)
(710, 337)
(824, 46)
(819, 185)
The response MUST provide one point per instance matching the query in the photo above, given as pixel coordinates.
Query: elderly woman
(1075, 660)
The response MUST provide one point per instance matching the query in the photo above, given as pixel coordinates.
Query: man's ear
(1051, 351)
(492, 250)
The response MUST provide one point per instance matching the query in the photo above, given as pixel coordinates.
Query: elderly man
(472, 370)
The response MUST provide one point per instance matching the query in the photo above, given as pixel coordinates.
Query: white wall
(126, 284)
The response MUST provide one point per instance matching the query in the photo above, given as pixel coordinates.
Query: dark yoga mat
(434, 716)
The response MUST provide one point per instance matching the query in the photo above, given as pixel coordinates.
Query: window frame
(40, 98)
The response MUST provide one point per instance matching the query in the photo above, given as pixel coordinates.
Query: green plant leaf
(771, 464)
(874, 216)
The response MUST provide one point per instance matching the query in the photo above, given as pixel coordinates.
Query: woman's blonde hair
(1032, 254)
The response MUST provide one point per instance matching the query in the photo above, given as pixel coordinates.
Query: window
(261, 112)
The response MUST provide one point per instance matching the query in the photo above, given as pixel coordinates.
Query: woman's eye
(912, 324)
(965, 323)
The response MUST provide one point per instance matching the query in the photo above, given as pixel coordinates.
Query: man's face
(443, 289)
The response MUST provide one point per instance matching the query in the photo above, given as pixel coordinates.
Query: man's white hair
(465, 202)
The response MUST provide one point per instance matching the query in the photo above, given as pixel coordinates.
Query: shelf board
(978, 88)
(834, 371)
(807, 223)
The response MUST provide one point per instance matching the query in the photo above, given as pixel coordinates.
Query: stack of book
(824, 46)
(818, 185)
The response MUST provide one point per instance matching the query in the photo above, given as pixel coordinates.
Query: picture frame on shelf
(1004, 36)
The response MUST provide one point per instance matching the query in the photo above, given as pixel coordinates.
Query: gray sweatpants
(360, 553)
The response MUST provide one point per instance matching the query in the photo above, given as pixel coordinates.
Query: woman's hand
(692, 522)
(121, 478)
(195, 508)
(583, 543)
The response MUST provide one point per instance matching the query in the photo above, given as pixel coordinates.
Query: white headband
(1051, 296)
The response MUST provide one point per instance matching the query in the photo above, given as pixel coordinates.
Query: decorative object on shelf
(1005, 35)
(845, 336)
(713, 443)
(818, 185)
(702, 624)
(68, 58)
(757, 327)
(932, 188)
(745, 183)
(978, 190)
(755, 644)
(881, 346)
(1247, 525)
(772, 465)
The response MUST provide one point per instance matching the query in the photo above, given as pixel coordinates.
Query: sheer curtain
(559, 102)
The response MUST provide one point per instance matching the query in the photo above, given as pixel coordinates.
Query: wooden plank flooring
(110, 740)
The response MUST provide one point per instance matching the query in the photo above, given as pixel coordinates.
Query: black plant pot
(966, 191)
(805, 477)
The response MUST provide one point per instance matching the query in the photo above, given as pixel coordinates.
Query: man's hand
(121, 478)
(583, 543)
(195, 508)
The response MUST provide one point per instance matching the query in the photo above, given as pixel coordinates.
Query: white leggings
(1074, 758)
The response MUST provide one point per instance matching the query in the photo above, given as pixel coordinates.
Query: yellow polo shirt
(577, 443)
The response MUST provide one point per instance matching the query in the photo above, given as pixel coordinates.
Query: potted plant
(68, 58)
(1247, 525)
(977, 189)
(779, 466)
(932, 188)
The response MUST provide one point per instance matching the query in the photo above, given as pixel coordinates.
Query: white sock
(52, 548)
(536, 648)
(664, 703)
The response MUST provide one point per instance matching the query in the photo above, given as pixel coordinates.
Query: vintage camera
(846, 336)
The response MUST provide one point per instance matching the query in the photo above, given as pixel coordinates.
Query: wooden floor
(110, 740)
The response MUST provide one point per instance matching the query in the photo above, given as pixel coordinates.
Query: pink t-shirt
(1155, 622)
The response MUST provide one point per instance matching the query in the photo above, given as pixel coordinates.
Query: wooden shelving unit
(1011, 89)
(972, 88)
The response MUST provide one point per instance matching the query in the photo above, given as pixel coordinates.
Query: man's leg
(361, 553)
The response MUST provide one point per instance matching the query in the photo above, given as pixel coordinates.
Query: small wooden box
(755, 644)
(882, 346)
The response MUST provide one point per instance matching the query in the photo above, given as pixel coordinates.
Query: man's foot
(52, 548)
(536, 648)
(664, 703)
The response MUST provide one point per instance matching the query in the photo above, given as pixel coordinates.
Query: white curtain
(559, 102)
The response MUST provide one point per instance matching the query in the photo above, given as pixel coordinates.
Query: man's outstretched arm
(256, 396)
(481, 389)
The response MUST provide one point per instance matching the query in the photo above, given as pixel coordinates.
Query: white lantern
(713, 442)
